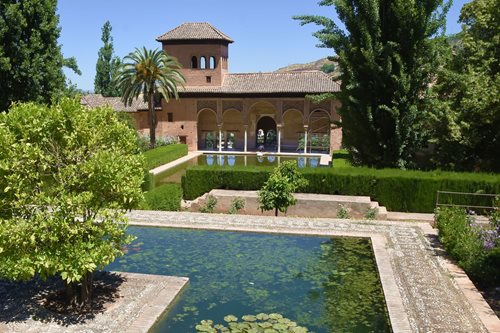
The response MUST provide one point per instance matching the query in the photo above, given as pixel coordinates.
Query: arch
(207, 129)
(212, 62)
(292, 130)
(203, 62)
(194, 62)
(266, 133)
(319, 130)
(255, 112)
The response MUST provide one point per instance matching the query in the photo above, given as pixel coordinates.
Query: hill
(322, 64)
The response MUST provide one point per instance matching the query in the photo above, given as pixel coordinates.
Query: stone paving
(428, 298)
(140, 300)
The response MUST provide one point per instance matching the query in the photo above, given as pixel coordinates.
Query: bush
(398, 190)
(476, 248)
(166, 198)
(237, 204)
(209, 205)
(163, 155)
(143, 141)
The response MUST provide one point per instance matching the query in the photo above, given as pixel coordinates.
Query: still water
(326, 284)
(175, 174)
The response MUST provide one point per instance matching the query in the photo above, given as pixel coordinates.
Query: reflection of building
(220, 111)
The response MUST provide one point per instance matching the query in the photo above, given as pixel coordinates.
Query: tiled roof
(96, 100)
(305, 82)
(194, 31)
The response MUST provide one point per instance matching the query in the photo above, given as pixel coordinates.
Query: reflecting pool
(175, 174)
(326, 284)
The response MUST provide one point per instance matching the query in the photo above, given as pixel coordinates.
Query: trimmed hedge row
(398, 190)
(166, 198)
(163, 155)
(463, 240)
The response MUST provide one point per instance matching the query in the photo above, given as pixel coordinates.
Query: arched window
(203, 63)
(212, 62)
(194, 62)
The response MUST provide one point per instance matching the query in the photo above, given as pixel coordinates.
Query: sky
(266, 37)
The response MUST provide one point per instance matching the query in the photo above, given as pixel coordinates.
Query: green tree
(465, 101)
(277, 192)
(106, 66)
(31, 61)
(386, 57)
(149, 73)
(64, 188)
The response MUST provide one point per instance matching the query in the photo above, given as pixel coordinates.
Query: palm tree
(148, 73)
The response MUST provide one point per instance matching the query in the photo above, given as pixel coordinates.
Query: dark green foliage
(462, 240)
(31, 61)
(386, 59)
(163, 155)
(106, 66)
(328, 68)
(465, 99)
(166, 198)
(398, 190)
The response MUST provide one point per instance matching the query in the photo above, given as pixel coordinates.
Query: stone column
(305, 138)
(220, 137)
(246, 139)
(279, 137)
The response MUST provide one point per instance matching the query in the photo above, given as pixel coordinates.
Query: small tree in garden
(67, 174)
(277, 192)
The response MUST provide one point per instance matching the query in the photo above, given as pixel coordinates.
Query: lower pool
(326, 284)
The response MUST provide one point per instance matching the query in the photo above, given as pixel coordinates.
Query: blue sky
(266, 38)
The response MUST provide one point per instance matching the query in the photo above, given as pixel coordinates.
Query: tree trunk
(79, 294)
(152, 119)
(86, 291)
(275, 211)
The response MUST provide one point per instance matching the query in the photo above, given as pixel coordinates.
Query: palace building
(219, 110)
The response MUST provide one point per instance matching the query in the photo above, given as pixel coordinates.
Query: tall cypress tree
(386, 56)
(30, 58)
(106, 65)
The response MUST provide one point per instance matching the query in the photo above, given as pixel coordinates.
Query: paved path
(421, 293)
(164, 167)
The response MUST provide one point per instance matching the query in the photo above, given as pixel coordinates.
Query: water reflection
(231, 160)
(209, 159)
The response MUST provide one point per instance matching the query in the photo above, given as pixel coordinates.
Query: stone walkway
(426, 299)
(138, 303)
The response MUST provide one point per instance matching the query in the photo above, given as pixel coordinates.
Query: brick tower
(202, 51)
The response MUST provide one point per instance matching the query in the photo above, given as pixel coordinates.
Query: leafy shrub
(342, 213)
(163, 155)
(371, 214)
(237, 204)
(398, 190)
(143, 141)
(476, 248)
(261, 323)
(166, 198)
(209, 205)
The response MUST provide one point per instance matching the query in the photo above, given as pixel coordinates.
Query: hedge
(163, 155)
(464, 241)
(398, 190)
(166, 197)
